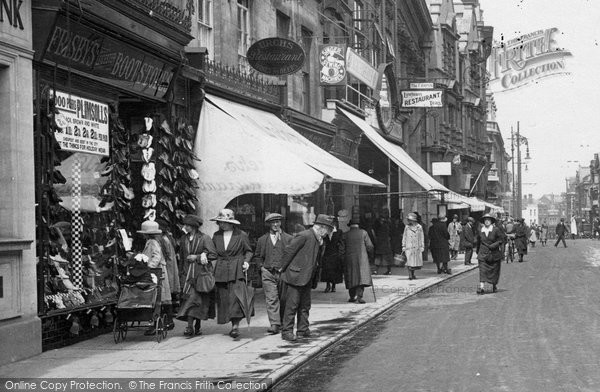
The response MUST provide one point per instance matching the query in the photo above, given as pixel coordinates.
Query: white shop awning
(245, 150)
(410, 167)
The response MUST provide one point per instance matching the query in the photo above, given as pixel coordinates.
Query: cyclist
(510, 237)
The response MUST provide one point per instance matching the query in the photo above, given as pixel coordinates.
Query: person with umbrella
(489, 253)
(269, 250)
(234, 301)
(196, 251)
(298, 264)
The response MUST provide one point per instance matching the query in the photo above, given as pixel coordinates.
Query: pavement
(255, 355)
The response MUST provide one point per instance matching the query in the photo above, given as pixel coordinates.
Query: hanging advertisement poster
(332, 60)
(82, 124)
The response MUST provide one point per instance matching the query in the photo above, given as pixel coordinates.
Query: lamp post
(516, 141)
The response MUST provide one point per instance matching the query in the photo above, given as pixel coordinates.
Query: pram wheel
(119, 331)
(164, 330)
(159, 328)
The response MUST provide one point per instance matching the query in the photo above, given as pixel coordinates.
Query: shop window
(91, 279)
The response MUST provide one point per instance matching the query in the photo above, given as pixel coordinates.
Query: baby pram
(140, 301)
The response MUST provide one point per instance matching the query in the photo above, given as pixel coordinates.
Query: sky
(556, 114)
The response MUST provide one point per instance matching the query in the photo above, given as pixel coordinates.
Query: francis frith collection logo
(525, 59)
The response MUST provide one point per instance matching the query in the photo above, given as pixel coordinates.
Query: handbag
(205, 280)
(400, 259)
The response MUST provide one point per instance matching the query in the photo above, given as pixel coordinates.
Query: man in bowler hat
(298, 264)
(268, 254)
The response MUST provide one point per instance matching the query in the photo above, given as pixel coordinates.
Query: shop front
(19, 325)
(112, 149)
(255, 163)
(431, 188)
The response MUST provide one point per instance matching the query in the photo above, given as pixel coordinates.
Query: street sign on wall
(422, 99)
(421, 86)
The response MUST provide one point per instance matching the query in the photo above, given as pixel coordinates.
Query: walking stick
(373, 288)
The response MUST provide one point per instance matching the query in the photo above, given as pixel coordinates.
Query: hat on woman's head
(150, 227)
(490, 217)
(192, 220)
(412, 217)
(226, 215)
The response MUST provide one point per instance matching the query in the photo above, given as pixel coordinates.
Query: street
(539, 332)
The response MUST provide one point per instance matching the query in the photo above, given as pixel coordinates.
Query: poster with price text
(82, 124)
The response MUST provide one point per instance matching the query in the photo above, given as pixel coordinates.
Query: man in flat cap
(268, 254)
(298, 264)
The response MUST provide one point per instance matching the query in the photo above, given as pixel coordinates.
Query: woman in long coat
(357, 273)
(454, 229)
(195, 249)
(233, 259)
(384, 257)
(151, 233)
(413, 244)
(439, 244)
(489, 253)
(332, 260)
(521, 238)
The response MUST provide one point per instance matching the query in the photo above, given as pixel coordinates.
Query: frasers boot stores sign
(525, 59)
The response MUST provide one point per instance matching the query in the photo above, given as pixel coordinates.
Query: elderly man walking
(357, 273)
(298, 265)
(268, 254)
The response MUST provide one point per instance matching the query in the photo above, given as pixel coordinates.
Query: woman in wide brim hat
(152, 249)
(233, 259)
(413, 245)
(489, 253)
(226, 216)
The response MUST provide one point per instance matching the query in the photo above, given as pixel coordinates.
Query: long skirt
(440, 255)
(200, 306)
(489, 272)
(228, 304)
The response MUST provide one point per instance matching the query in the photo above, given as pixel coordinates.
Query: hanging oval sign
(276, 56)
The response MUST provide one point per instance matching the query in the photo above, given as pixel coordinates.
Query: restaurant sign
(422, 99)
(107, 59)
(82, 124)
(276, 56)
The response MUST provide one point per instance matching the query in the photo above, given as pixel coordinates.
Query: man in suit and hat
(561, 231)
(439, 244)
(268, 254)
(298, 264)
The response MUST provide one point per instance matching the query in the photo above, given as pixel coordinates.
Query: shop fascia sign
(525, 59)
(10, 11)
(107, 59)
(82, 124)
(361, 69)
(276, 56)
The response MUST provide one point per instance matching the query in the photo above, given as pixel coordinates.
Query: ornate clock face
(333, 64)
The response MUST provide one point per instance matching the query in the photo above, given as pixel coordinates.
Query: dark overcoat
(489, 244)
(300, 259)
(521, 238)
(229, 263)
(467, 237)
(438, 242)
(332, 260)
(356, 259)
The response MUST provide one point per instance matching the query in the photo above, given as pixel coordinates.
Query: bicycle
(510, 250)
